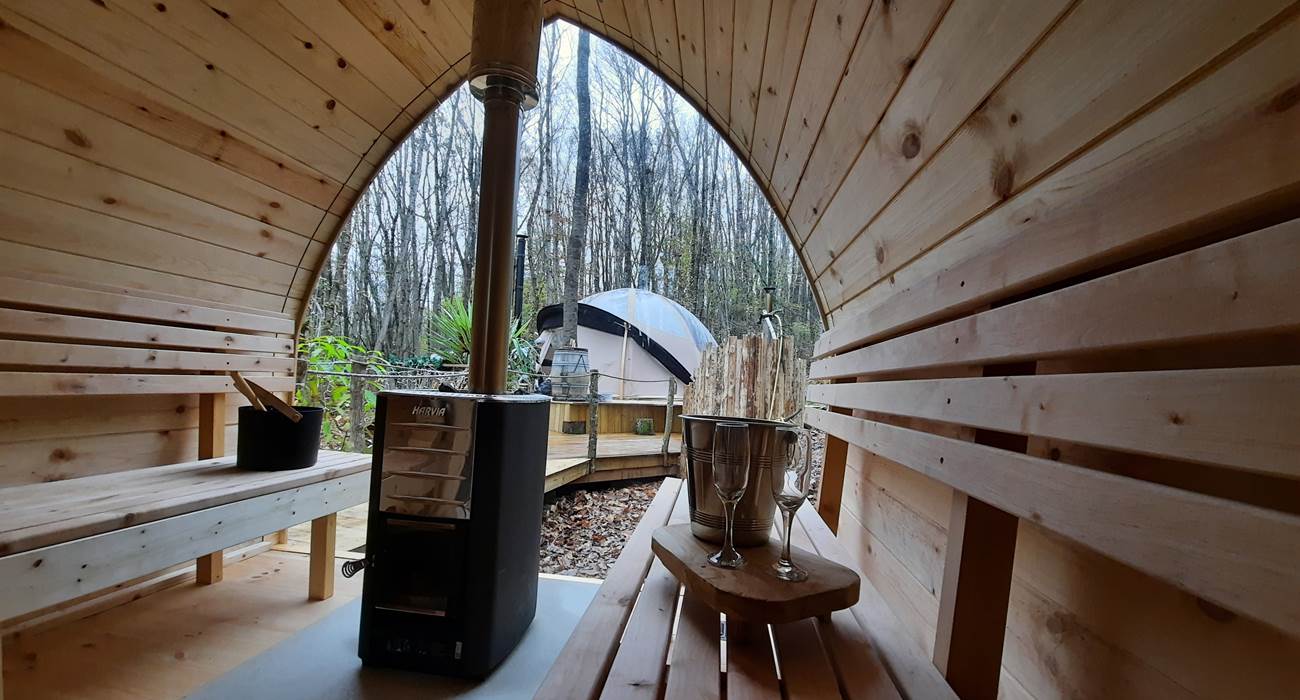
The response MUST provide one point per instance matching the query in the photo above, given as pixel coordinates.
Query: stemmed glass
(791, 477)
(730, 477)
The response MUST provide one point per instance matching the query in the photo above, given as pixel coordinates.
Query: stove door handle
(350, 568)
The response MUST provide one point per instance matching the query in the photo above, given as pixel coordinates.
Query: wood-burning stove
(452, 538)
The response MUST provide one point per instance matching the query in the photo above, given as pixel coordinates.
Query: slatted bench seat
(623, 647)
(63, 539)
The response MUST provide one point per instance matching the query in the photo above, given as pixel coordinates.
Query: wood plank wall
(1127, 238)
(190, 150)
(931, 159)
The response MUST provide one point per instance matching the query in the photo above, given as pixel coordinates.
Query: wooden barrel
(570, 374)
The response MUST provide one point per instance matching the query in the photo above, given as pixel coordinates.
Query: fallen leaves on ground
(584, 530)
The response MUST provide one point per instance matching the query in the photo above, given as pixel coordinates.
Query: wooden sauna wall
(51, 438)
(189, 151)
(930, 158)
(1065, 143)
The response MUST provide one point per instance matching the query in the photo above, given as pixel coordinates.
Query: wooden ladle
(260, 398)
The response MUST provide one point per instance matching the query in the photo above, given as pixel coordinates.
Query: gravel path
(583, 530)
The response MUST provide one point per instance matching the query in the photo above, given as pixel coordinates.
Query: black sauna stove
(452, 538)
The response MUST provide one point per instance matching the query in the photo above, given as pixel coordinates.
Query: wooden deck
(616, 415)
(618, 456)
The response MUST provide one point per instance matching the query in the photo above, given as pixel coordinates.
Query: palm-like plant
(450, 331)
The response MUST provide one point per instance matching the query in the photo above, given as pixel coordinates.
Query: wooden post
(212, 425)
(211, 568)
(834, 462)
(668, 418)
(622, 366)
(357, 408)
(300, 372)
(973, 601)
(320, 582)
(977, 572)
(593, 419)
(212, 443)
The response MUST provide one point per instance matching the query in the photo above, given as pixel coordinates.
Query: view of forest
(669, 208)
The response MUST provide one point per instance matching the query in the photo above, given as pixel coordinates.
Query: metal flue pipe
(521, 243)
(503, 75)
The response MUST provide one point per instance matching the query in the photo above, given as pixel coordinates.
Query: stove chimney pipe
(521, 242)
(503, 75)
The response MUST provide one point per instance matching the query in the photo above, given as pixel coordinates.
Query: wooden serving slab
(753, 592)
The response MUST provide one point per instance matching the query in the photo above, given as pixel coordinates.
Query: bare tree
(622, 184)
(574, 255)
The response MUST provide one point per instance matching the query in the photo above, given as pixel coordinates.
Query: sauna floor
(321, 663)
(173, 642)
(255, 636)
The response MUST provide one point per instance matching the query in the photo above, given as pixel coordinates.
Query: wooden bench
(66, 532)
(621, 647)
(1144, 416)
(64, 539)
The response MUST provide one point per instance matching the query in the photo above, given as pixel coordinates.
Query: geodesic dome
(636, 337)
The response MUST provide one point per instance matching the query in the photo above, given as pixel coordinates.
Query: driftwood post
(357, 408)
(736, 379)
(593, 419)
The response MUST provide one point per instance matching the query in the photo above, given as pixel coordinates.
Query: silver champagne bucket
(755, 512)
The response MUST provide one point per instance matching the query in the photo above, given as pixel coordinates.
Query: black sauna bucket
(270, 442)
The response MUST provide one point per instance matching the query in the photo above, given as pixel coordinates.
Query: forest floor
(584, 528)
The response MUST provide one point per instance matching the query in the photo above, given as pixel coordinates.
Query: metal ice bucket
(755, 512)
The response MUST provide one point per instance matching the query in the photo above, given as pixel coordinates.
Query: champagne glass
(730, 477)
(791, 477)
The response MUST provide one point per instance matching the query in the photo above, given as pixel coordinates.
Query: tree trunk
(344, 248)
(573, 258)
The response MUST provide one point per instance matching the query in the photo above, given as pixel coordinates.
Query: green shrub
(332, 353)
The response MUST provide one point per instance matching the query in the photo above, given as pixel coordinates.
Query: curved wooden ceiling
(209, 148)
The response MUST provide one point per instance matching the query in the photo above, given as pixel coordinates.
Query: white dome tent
(637, 338)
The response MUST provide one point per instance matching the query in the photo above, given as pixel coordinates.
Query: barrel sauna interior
(1054, 242)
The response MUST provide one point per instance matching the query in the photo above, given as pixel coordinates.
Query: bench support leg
(212, 425)
(212, 443)
(321, 579)
(211, 568)
(977, 572)
(834, 462)
(974, 599)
